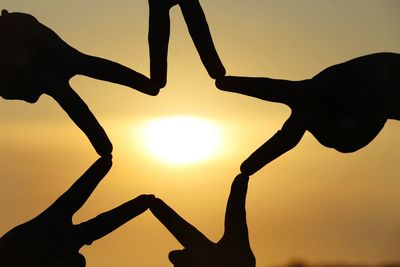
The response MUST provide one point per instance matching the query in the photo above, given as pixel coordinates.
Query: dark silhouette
(35, 60)
(159, 29)
(344, 107)
(302, 263)
(51, 239)
(234, 247)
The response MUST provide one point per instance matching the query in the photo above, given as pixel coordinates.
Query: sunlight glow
(181, 139)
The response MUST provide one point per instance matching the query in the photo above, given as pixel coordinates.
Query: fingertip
(246, 169)
(218, 74)
(149, 198)
(154, 92)
(107, 160)
(4, 12)
(221, 82)
(218, 83)
(240, 181)
(156, 202)
(102, 166)
(175, 256)
(159, 83)
(159, 208)
(105, 150)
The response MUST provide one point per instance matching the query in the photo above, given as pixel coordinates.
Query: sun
(181, 139)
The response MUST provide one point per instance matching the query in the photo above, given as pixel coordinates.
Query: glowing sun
(181, 139)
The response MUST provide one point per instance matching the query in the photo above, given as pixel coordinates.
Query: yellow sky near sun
(312, 202)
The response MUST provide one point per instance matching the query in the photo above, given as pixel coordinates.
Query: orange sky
(313, 202)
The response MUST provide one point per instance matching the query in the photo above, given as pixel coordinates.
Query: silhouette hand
(159, 30)
(34, 60)
(51, 240)
(234, 247)
(344, 107)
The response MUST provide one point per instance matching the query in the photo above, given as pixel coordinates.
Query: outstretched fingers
(106, 70)
(235, 216)
(284, 140)
(281, 91)
(183, 231)
(74, 198)
(198, 28)
(107, 222)
(81, 115)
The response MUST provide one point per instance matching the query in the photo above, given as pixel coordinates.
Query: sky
(312, 203)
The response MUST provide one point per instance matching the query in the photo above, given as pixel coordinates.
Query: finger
(235, 216)
(158, 38)
(281, 91)
(107, 222)
(284, 140)
(176, 257)
(106, 70)
(81, 115)
(185, 233)
(201, 36)
(73, 199)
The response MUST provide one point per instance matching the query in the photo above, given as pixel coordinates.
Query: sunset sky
(312, 203)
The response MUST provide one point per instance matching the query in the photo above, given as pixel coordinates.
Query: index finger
(81, 115)
(274, 90)
(107, 70)
(158, 39)
(184, 232)
(109, 221)
(284, 140)
(235, 216)
(200, 32)
(74, 198)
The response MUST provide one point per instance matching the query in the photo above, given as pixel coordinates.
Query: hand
(51, 240)
(234, 247)
(344, 107)
(159, 29)
(35, 61)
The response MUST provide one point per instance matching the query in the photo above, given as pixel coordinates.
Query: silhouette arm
(80, 114)
(281, 142)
